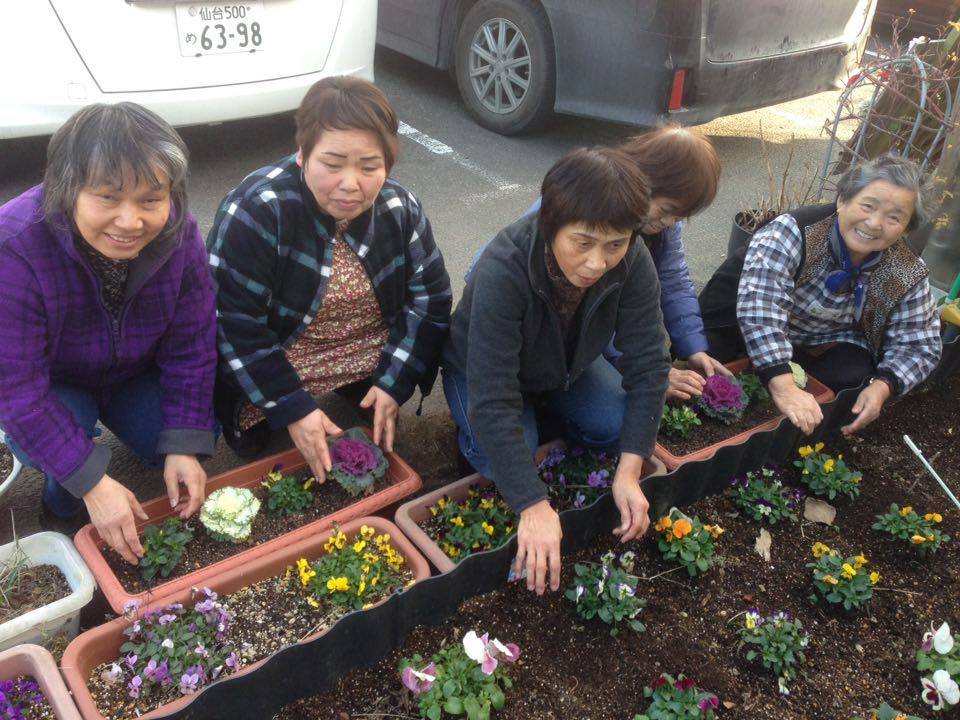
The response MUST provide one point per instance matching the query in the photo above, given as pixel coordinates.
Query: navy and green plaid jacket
(271, 250)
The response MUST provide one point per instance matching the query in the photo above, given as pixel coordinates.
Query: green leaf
(497, 698)
(449, 688)
(472, 707)
(453, 705)
(434, 713)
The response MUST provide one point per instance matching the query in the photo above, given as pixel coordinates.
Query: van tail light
(676, 90)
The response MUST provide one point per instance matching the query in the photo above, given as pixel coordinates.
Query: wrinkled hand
(629, 497)
(112, 508)
(185, 469)
(706, 365)
(800, 407)
(309, 434)
(684, 384)
(385, 413)
(538, 547)
(867, 407)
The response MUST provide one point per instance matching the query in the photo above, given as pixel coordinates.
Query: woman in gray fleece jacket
(528, 335)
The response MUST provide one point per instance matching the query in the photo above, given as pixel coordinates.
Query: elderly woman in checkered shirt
(837, 289)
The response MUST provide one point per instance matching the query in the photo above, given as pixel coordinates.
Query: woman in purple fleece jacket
(107, 314)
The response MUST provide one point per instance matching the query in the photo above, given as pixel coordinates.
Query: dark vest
(891, 279)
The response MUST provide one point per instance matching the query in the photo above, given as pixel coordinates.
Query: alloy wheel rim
(499, 66)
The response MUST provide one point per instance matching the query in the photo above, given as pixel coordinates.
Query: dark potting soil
(856, 661)
(34, 587)
(204, 550)
(712, 431)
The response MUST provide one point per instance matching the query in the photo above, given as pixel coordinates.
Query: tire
(516, 98)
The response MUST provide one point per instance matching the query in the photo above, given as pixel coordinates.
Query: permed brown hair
(681, 165)
(345, 102)
(600, 187)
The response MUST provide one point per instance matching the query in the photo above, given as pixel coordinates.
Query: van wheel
(505, 65)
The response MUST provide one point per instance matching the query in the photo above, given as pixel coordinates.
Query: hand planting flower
(678, 421)
(678, 699)
(779, 644)
(357, 462)
(481, 522)
(841, 580)
(163, 547)
(687, 542)
(286, 495)
(722, 399)
(826, 476)
(920, 533)
(606, 590)
(465, 678)
(228, 514)
(762, 496)
(940, 655)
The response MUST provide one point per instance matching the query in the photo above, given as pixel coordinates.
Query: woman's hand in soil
(538, 547)
(684, 384)
(385, 413)
(868, 406)
(112, 508)
(800, 407)
(185, 469)
(706, 365)
(630, 500)
(309, 434)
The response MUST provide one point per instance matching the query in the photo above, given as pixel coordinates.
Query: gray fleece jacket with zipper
(505, 337)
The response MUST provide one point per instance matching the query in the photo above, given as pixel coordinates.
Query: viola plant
(607, 590)
(826, 476)
(468, 678)
(354, 573)
(762, 496)
(163, 547)
(920, 532)
(357, 462)
(723, 399)
(839, 580)
(576, 478)
(175, 648)
(678, 699)
(228, 514)
(22, 699)
(753, 388)
(286, 495)
(678, 421)
(481, 522)
(939, 658)
(687, 541)
(778, 642)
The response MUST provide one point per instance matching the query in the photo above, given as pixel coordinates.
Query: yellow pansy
(487, 528)
(874, 578)
(358, 546)
(918, 539)
(828, 466)
(859, 561)
(830, 579)
(433, 510)
(340, 584)
(508, 529)
(309, 483)
(486, 503)
(819, 549)
(367, 532)
(312, 602)
(456, 520)
(442, 503)
(848, 571)
(805, 451)
(361, 587)
(818, 447)
(906, 510)
(933, 517)
(370, 557)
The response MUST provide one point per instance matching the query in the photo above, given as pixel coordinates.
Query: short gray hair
(894, 169)
(100, 144)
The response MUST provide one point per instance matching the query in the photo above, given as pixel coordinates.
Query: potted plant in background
(31, 686)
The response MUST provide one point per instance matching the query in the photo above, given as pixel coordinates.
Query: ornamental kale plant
(722, 399)
(686, 541)
(762, 496)
(841, 580)
(22, 699)
(921, 533)
(286, 495)
(606, 590)
(353, 573)
(576, 477)
(464, 679)
(778, 642)
(481, 522)
(753, 388)
(826, 476)
(357, 462)
(228, 514)
(678, 699)
(939, 658)
(163, 547)
(175, 647)
(677, 421)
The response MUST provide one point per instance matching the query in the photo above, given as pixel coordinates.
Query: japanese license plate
(218, 28)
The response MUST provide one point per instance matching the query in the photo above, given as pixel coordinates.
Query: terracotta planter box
(102, 644)
(36, 662)
(821, 392)
(413, 512)
(404, 481)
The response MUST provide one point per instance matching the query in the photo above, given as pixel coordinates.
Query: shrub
(722, 399)
(606, 590)
(921, 533)
(677, 421)
(762, 496)
(678, 699)
(840, 580)
(357, 462)
(228, 514)
(686, 541)
(163, 547)
(286, 495)
(826, 476)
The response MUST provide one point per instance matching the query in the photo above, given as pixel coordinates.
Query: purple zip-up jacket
(54, 328)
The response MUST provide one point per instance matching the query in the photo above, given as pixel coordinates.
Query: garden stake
(916, 451)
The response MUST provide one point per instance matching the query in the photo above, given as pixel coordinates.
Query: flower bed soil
(6, 462)
(39, 711)
(713, 431)
(36, 586)
(857, 660)
(203, 550)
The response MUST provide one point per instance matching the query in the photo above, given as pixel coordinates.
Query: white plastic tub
(61, 617)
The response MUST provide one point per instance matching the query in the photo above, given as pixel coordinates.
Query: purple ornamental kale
(723, 399)
(354, 457)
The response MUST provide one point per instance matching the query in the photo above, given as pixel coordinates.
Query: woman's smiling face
(875, 218)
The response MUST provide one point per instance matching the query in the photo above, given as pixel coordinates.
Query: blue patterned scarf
(849, 275)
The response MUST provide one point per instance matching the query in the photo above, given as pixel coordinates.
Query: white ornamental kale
(228, 513)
